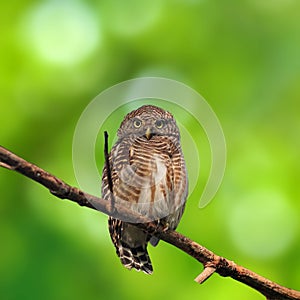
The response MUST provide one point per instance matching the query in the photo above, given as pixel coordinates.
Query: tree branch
(212, 263)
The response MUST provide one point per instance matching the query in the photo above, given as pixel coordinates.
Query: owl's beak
(148, 133)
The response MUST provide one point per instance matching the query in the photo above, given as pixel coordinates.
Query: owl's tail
(136, 258)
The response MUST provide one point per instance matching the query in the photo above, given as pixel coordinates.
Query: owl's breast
(143, 172)
(150, 158)
(147, 175)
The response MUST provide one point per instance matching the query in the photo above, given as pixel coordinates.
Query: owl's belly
(146, 183)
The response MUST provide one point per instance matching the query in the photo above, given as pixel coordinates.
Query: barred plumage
(149, 174)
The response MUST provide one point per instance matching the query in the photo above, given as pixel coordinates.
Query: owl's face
(148, 121)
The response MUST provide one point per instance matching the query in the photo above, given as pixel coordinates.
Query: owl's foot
(165, 227)
(158, 226)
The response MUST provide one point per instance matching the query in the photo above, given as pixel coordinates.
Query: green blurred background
(242, 56)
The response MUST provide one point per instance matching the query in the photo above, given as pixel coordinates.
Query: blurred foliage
(242, 56)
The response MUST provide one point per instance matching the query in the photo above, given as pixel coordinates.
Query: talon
(153, 226)
(166, 227)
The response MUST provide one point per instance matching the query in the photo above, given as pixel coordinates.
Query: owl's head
(148, 121)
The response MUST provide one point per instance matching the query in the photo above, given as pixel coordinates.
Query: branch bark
(212, 263)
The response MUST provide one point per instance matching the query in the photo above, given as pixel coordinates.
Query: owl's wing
(130, 242)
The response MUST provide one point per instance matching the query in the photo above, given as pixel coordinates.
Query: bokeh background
(242, 56)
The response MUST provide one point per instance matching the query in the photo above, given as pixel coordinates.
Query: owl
(149, 176)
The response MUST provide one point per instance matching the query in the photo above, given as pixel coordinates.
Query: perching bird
(148, 173)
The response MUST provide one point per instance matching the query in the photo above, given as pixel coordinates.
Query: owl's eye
(137, 123)
(160, 124)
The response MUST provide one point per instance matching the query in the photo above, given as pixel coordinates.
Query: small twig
(108, 170)
(205, 274)
(212, 262)
(6, 166)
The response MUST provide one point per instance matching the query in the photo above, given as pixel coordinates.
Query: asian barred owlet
(148, 173)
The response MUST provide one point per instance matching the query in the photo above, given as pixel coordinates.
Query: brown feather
(150, 176)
